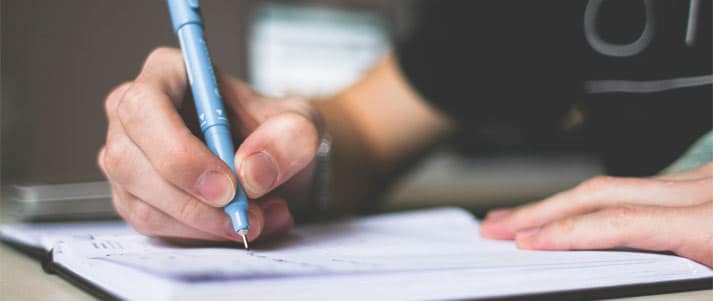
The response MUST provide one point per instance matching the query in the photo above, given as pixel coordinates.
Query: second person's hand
(165, 181)
(669, 212)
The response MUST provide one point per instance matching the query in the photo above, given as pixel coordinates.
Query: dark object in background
(510, 71)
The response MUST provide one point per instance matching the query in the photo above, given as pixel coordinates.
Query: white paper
(431, 254)
(44, 235)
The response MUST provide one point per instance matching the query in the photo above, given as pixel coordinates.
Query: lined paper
(428, 254)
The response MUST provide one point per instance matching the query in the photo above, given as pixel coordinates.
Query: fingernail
(229, 231)
(256, 226)
(259, 173)
(527, 233)
(498, 215)
(215, 187)
(526, 239)
(254, 231)
(277, 218)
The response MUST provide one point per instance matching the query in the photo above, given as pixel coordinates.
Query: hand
(665, 213)
(166, 182)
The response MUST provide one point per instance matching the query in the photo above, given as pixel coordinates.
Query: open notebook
(427, 254)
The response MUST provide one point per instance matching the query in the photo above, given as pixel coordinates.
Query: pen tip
(245, 241)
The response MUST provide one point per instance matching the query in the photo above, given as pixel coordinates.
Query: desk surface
(22, 278)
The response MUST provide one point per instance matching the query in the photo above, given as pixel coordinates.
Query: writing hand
(166, 182)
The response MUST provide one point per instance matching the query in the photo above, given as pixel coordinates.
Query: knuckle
(520, 215)
(565, 225)
(526, 211)
(159, 54)
(596, 183)
(112, 100)
(297, 125)
(188, 210)
(100, 159)
(133, 101)
(115, 154)
(118, 204)
(164, 57)
(178, 157)
(308, 110)
(110, 103)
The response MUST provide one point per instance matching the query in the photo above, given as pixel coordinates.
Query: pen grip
(211, 113)
(201, 77)
(220, 143)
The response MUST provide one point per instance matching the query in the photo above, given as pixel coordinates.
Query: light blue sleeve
(698, 154)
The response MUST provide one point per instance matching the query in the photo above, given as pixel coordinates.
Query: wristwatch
(321, 188)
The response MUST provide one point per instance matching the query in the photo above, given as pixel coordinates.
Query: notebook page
(407, 250)
(44, 235)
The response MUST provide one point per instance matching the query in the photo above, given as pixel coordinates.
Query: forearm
(352, 166)
(377, 126)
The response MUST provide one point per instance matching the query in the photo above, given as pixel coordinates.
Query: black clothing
(510, 71)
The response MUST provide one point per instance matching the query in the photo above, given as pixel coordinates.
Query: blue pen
(187, 22)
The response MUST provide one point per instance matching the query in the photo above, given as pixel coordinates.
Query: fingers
(132, 172)
(595, 194)
(148, 118)
(277, 217)
(164, 70)
(168, 184)
(639, 227)
(250, 109)
(154, 207)
(278, 149)
(498, 214)
(608, 228)
(152, 222)
(268, 218)
(281, 138)
(239, 98)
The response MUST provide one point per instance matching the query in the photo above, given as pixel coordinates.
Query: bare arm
(377, 125)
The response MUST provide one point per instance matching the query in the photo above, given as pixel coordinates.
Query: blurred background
(59, 59)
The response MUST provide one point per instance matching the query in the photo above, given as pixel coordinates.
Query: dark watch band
(321, 188)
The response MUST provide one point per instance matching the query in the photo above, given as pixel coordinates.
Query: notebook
(426, 254)
(38, 238)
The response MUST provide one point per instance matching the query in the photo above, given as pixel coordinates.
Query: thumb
(276, 151)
